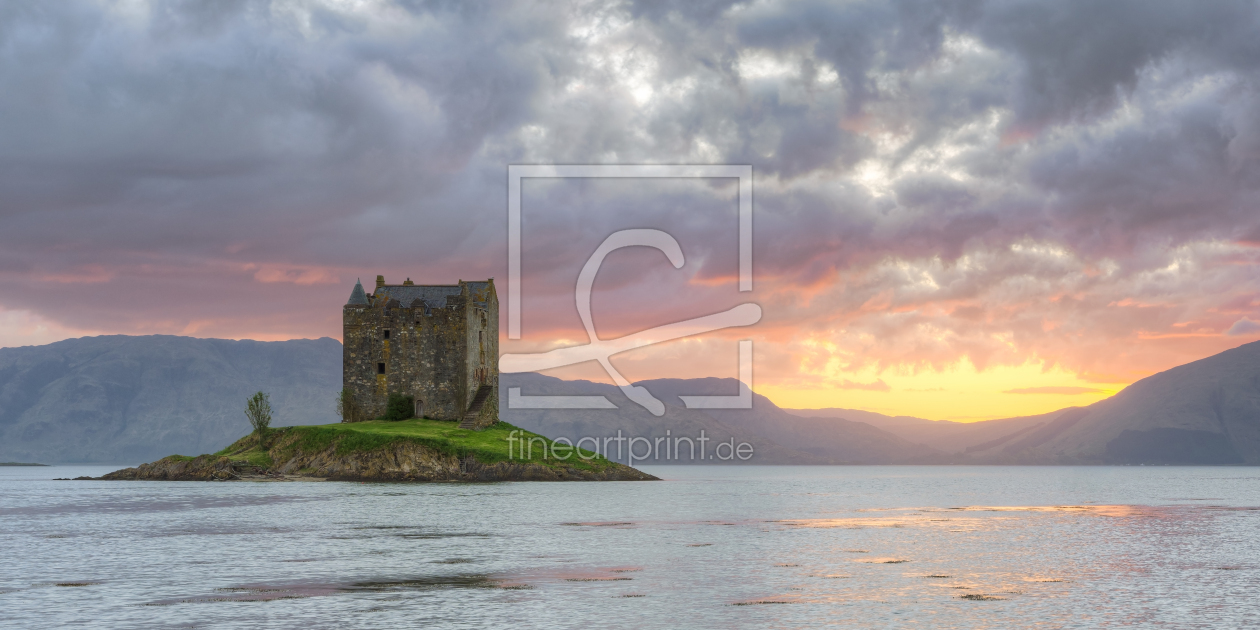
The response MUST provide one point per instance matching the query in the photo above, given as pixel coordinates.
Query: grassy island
(418, 449)
(488, 446)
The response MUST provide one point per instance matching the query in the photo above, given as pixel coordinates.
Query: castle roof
(406, 294)
(432, 295)
(411, 295)
(357, 296)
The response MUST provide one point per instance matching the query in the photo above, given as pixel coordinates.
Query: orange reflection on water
(1094, 510)
(882, 521)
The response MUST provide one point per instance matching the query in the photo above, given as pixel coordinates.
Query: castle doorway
(419, 408)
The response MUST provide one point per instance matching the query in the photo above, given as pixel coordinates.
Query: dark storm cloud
(1078, 57)
(185, 123)
(1052, 73)
(208, 134)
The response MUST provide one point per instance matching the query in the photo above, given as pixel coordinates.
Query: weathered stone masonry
(436, 343)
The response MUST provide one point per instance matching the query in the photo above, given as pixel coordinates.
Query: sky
(962, 210)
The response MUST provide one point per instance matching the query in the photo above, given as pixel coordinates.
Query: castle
(438, 344)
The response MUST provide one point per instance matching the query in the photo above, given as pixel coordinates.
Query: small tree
(348, 407)
(400, 407)
(258, 410)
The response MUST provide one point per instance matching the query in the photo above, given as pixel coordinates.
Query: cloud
(296, 275)
(1066, 391)
(877, 386)
(1243, 326)
(23, 328)
(1000, 182)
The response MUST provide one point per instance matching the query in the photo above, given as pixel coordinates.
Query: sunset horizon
(951, 395)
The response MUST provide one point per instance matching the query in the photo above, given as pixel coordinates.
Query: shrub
(258, 410)
(400, 407)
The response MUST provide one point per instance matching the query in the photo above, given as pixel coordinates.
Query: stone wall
(439, 351)
(360, 338)
(483, 348)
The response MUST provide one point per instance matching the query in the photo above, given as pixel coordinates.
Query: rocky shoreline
(399, 461)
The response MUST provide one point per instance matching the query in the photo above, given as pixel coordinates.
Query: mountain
(1203, 412)
(842, 440)
(943, 435)
(120, 399)
(776, 436)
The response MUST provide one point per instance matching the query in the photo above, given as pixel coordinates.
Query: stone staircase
(474, 410)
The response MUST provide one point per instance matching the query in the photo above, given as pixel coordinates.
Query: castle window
(387, 333)
(380, 368)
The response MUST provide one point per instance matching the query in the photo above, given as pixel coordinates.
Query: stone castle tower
(436, 343)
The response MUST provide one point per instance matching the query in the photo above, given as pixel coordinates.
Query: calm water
(750, 547)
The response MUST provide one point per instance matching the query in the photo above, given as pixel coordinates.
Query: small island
(419, 402)
(417, 449)
(20, 464)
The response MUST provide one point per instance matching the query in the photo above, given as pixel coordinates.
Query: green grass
(488, 446)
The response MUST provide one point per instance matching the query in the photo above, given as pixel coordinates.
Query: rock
(176, 468)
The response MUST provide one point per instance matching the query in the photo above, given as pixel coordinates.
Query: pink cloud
(299, 275)
(86, 274)
(877, 386)
(1244, 326)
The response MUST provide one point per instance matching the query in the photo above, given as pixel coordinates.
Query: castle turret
(357, 296)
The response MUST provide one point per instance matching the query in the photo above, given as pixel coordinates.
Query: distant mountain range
(1204, 412)
(777, 437)
(120, 399)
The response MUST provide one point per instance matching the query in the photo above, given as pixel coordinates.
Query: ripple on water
(301, 590)
(780, 599)
(412, 532)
